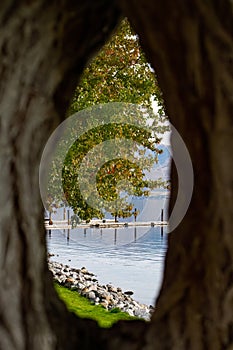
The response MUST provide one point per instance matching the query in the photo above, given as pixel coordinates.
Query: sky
(166, 135)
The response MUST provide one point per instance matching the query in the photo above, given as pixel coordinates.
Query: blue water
(129, 258)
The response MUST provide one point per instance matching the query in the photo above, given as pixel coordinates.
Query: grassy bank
(83, 308)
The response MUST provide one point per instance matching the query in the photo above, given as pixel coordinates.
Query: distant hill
(162, 168)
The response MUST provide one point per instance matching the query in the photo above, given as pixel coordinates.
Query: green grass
(82, 307)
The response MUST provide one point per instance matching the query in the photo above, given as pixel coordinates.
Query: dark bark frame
(44, 46)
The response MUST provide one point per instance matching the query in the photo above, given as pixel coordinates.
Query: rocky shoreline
(86, 284)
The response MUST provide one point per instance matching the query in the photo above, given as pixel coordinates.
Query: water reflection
(161, 230)
(115, 236)
(95, 236)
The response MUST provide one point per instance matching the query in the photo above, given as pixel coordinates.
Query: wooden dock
(64, 225)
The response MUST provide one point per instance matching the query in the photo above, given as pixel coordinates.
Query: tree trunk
(43, 48)
(191, 46)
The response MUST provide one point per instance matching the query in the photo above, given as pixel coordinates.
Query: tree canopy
(119, 73)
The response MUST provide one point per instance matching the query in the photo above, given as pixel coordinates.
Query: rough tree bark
(43, 48)
(191, 47)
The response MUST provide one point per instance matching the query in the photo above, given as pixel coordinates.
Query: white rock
(91, 295)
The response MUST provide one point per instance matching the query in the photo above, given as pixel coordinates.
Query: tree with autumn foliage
(116, 166)
(120, 73)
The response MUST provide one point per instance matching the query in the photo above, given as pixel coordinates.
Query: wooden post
(50, 218)
(161, 230)
(161, 215)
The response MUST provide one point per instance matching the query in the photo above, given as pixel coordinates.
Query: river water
(131, 258)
